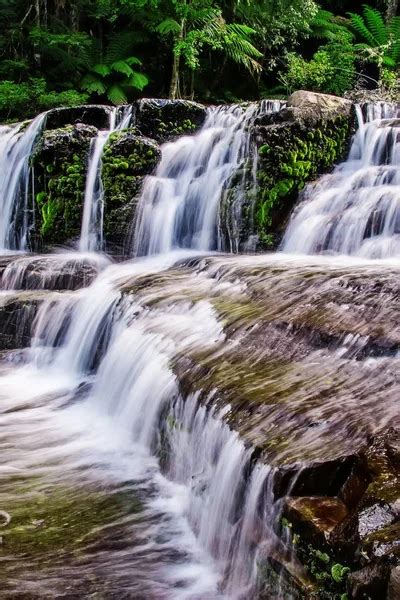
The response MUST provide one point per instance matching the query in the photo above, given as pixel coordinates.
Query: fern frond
(375, 23)
(93, 85)
(138, 80)
(359, 27)
(120, 66)
(168, 26)
(116, 95)
(101, 69)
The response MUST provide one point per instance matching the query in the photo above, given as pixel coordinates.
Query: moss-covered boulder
(289, 149)
(60, 162)
(127, 159)
(165, 120)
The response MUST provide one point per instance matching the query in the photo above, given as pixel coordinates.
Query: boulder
(63, 272)
(165, 120)
(316, 518)
(317, 106)
(95, 115)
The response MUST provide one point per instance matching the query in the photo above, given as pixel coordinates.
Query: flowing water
(91, 238)
(356, 210)
(180, 203)
(16, 182)
(144, 424)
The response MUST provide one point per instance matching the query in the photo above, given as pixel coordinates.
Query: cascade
(91, 238)
(98, 402)
(179, 205)
(356, 209)
(16, 183)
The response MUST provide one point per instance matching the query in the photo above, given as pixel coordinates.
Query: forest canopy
(67, 52)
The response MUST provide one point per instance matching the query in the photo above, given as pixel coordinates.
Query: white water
(98, 399)
(15, 185)
(179, 205)
(134, 405)
(91, 238)
(356, 210)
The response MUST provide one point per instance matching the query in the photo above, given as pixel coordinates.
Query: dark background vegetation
(67, 52)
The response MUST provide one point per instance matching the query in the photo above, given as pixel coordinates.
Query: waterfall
(356, 209)
(179, 205)
(16, 188)
(221, 494)
(91, 238)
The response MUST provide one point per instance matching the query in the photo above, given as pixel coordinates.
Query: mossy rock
(291, 152)
(165, 120)
(127, 159)
(60, 162)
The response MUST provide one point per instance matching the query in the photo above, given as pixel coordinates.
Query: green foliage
(16, 97)
(113, 50)
(380, 39)
(331, 70)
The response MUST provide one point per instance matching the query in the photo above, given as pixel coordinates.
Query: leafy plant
(114, 76)
(380, 39)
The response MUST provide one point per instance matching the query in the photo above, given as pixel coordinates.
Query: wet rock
(50, 273)
(373, 518)
(316, 518)
(369, 583)
(324, 478)
(298, 146)
(393, 592)
(96, 115)
(17, 314)
(164, 120)
(127, 159)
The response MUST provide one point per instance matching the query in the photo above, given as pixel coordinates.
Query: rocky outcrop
(165, 120)
(127, 159)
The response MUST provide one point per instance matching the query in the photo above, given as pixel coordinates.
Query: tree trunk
(174, 87)
(391, 8)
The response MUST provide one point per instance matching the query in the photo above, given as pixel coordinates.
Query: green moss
(60, 171)
(290, 157)
(60, 519)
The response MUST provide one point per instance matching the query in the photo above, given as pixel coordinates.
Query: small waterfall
(16, 187)
(221, 494)
(356, 210)
(180, 203)
(92, 220)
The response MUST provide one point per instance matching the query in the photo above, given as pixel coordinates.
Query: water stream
(91, 239)
(130, 421)
(16, 182)
(356, 209)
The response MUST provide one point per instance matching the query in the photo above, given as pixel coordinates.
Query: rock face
(127, 159)
(164, 120)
